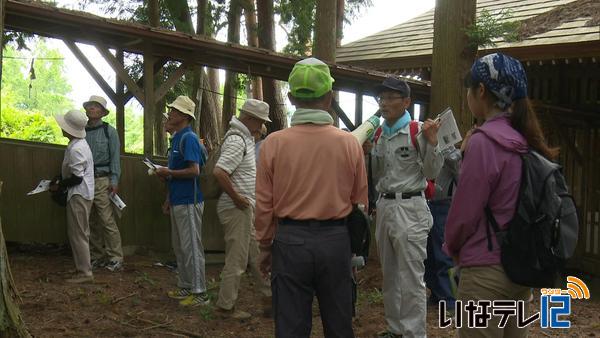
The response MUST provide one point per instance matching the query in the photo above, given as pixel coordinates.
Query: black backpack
(542, 234)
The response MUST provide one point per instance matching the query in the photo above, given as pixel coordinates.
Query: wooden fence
(37, 219)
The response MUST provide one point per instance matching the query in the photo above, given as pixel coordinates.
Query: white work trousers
(401, 234)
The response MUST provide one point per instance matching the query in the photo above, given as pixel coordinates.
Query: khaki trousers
(105, 239)
(491, 283)
(237, 228)
(78, 231)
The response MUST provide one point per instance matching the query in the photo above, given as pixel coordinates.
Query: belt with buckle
(403, 195)
(313, 222)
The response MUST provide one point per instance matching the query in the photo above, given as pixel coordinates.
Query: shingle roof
(412, 41)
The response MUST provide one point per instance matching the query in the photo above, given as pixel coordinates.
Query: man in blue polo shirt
(184, 203)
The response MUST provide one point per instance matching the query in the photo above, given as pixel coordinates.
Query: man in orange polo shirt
(308, 178)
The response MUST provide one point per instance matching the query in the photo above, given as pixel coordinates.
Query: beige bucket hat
(73, 122)
(97, 99)
(184, 104)
(256, 108)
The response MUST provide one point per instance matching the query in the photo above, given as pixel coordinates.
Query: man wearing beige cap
(236, 173)
(77, 176)
(105, 239)
(309, 177)
(185, 203)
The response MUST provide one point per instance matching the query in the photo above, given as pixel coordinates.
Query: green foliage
(50, 88)
(489, 27)
(30, 126)
(297, 17)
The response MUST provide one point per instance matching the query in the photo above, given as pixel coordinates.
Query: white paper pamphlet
(117, 201)
(448, 134)
(44, 185)
(151, 166)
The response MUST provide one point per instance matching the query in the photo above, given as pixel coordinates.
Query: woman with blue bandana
(490, 176)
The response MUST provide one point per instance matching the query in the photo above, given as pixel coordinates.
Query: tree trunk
(207, 107)
(326, 37)
(271, 87)
(160, 142)
(451, 59)
(207, 102)
(231, 78)
(10, 315)
(252, 36)
(325, 30)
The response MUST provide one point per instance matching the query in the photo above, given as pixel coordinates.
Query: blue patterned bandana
(502, 75)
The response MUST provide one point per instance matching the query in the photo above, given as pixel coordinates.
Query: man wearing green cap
(309, 176)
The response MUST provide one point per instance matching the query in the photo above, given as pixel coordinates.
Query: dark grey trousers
(309, 261)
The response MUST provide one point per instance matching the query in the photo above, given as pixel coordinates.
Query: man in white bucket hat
(77, 175)
(103, 139)
(185, 203)
(236, 173)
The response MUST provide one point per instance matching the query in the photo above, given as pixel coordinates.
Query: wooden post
(13, 325)
(2, 3)
(358, 108)
(148, 102)
(120, 104)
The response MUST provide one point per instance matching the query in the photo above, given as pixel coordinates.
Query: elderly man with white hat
(103, 139)
(236, 173)
(185, 203)
(77, 176)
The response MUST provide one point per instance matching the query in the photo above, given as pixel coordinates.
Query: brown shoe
(80, 278)
(233, 314)
(267, 306)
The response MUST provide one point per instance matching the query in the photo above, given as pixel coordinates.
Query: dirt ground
(133, 303)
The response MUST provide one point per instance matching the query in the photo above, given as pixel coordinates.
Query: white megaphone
(367, 129)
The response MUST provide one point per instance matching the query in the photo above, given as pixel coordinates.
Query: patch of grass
(374, 296)
(207, 313)
(104, 298)
(144, 278)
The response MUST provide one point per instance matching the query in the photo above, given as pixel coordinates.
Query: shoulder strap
(414, 129)
(490, 223)
(377, 134)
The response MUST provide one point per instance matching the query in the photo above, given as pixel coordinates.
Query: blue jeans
(437, 262)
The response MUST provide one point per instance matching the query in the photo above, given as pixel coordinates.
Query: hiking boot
(98, 263)
(114, 266)
(80, 278)
(195, 299)
(232, 313)
(387, 334)
(179, 293)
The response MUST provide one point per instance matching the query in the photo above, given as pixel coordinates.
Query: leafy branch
(489, 27)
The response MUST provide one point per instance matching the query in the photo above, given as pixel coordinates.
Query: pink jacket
(490, 175)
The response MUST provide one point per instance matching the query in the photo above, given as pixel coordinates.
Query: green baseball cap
(310, 79)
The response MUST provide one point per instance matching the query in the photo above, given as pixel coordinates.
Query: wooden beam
(170, 82)
(120, 104)
(340, 113)
(358, 108)
(91, 70)
(148, 102)
(121, 72)
(157, 67)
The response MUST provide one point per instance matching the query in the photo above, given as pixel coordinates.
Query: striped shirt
(105, 150)
(241, 168)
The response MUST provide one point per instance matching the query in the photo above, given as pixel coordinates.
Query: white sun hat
(256, 108)
(98, 99)
(73, 122)
(184, 105)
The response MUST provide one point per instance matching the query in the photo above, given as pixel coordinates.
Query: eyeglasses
(380, 99)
